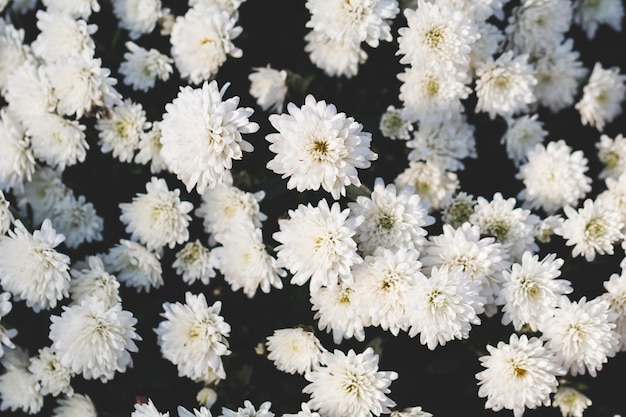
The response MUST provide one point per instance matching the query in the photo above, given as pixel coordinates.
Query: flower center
(435, 37)
(596, 228)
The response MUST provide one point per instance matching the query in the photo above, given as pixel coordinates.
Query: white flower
(78, 405)
(269, 87)
(444, 306)
(13, 51)
(394, 126)
(94, 280)
(248, 410)
(231, 6)
(42, 193)
(520, 374)
(17, 163)
(384, 285)
(436, 34)
(53, 376)
(202, 40)
(56, 140)
(147, 410)
(61, 36)
(592, 229)
(615, 295)
(590, 14)
(5, 334)
(77, 220)
(571, 402)
(392, 218)
(20, 390)
(487, 45)
(94, 339)
(531, 291)
(505, 86)
(193, 337)
(602, 96)
(141, 67)
(158, 217)
(411, 412)
(335, 57)
(612, 154)
(553, 177)
(139, 17)
(206, 397)
(135, 265)
(581, 334)
(305, 412)
(74, 8)
(316, 146)
(150, 149)
(339, 312)
(202, 412)
(457, 209)
(201, 135)
(195, 262)
(119, 133)
(28, 92)
(31, 269)
(294, 350)
(522, 134)
(353, 21)
(349, 385)
(6, 218)
(430, 180)
(316, 244)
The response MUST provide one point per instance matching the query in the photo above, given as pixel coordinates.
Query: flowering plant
(326, 208)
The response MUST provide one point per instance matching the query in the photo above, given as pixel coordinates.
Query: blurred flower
(394, 126)
(134, 265)
(269, 87)
(139, 17)
(590, 14)
(141, 67)
(248, 410)
(294, 350)
(78, 405)
(602, 96)
(571, 402)
(195, 262)
(53, 376)
(62, 36)
(94, 280)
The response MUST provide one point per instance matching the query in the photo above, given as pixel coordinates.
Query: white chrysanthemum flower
(31, 269)
(139, 17)
(61, 36)
(411, 412)
(57, 141)
(6, 334)
(80, 83)
(6, 218)
(384, 285)
(316, 146)
(77, 220)
(193, 337)
(334, 57)
(78, 405)
(338, 311)
(28, 92)
(457, 209)
(531, 291)
(316, 244)
(141, 67)
(444, 306)
(394, 126)
(505, 86)
(478, 9)
(147, 410)
(392, 218)
(269, 87)
(231, 6)
(615, 195)
(53, 377)
(248, 410)
(94, 339)
(553, 177)
(305, 412)
(13, 50)
(534, 25)
(119, 133)
(612, 154)
(225, 206)
(436, 34)
(150, 149)
(73, 8)
(559, 71)
(17, 164)
(581, 334)
(134, 265)
(511, 226)
(487, 45)
(544, 230)
(353, 21)
(481, 257)
(201, 135)
(602, 96)
(590, 14)
(244, 261)
(42, 193)
(571, 402)
(294, 350)
(520, 374)
(349, 385)
(158, 217)
(20, 390)
(430, 93)
(195, 262)
(202, 412)
(446, 142)
(522, 134)
(615, 295)
(202, 40)
(592, 229)
(430, 180)
(94, 280)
